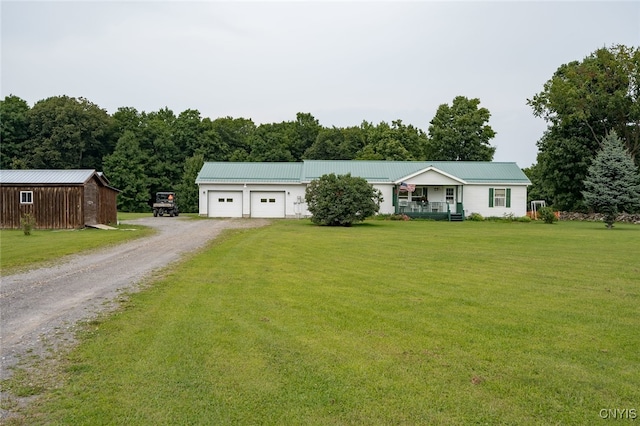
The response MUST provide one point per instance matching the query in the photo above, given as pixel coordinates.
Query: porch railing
(420, 207)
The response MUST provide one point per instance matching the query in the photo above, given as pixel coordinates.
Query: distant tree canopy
(146, 152)
(460, 132)
(582, 102)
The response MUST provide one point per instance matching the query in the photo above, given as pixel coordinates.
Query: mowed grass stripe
(386, 322)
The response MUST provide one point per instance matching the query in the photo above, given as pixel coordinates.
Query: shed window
(26, 197)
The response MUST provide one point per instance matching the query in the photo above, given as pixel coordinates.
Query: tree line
(142, 153)
(583, 103)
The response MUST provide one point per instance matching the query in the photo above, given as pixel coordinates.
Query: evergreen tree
(613, 183)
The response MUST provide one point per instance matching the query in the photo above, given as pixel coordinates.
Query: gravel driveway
(39, 308)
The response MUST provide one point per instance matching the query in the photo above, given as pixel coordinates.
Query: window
(221, 200)
(229, 200)
(500, 197)
(272, 200)
(26, 197)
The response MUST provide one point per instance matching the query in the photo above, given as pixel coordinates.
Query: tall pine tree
(613, 183)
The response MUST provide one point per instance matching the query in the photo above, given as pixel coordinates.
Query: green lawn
(19, 251)
(382, 323)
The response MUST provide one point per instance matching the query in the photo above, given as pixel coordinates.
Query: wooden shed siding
(108, 207)
(52, 207)
(91, 202)
(60, 206)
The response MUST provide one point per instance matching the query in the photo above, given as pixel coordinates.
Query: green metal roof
(226, 172)
(372, 171)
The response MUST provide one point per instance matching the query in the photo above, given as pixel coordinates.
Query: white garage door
(267, 204)
(225, 204)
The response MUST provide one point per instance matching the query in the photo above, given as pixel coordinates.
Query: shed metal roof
(471, 172)
(51, 177)
(45, 176)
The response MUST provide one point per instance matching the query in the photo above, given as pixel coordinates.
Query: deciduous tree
(461, 132)
(14, 127)
(187, 189)
(125, 168)
(596, 95)
(68, 133)
(581, 102)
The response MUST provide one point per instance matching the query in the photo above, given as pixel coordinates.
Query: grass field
(382, 323)
(19, 251)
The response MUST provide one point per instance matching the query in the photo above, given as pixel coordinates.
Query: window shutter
(508, 197)
(490, 197)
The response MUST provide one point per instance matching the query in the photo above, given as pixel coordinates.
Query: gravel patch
(40, 309)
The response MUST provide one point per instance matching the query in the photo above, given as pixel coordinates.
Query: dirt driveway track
(39, 308)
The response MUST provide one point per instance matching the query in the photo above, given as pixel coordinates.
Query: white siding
(386, 207)
(476, 200)
(433, 178)
(291, 193)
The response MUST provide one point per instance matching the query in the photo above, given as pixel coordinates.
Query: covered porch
(437, 202)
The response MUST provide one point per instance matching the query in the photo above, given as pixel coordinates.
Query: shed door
(225, 204)
(91, 200)
(267, 204)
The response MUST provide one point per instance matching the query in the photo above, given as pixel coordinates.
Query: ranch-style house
(441, 190)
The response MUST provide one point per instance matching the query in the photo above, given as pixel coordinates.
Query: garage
(225, 204)
(267, 204)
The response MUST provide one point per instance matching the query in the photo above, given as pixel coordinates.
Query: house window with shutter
(500, 197)
(26, 197)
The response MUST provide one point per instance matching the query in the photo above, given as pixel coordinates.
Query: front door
(450, 198)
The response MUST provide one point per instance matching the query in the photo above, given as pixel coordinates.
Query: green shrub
(27, 222)
(494, 219)
(476, 217)
(525, 219)
(341, 200)
(547, 214)
(399, 217)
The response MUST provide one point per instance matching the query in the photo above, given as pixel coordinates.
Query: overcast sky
(343, 62)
